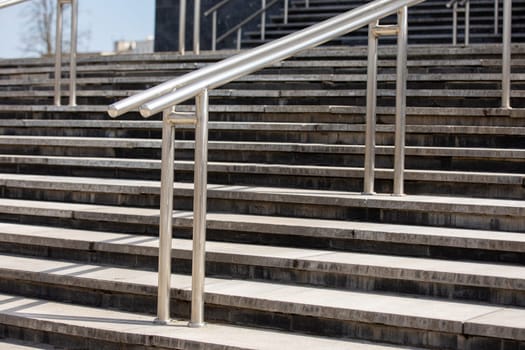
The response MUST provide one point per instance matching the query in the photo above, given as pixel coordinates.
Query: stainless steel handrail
(58, 49)
(166, 96)
(455, 9)
(196, 26)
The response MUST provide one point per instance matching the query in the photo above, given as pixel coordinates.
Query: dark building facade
(167, 22)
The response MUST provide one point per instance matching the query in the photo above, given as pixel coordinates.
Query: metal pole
(371, 92)
(307, 3)
(197, 27)
(454, 23)
(507, 32)
(496, 16)
(58, 54)
(239, 38)
(182, 27)
(166, 219)
(199, 211)
(73, 54)
(285, 11)
(263, 20)
(399, 158)
(467, 23)
(214, 31)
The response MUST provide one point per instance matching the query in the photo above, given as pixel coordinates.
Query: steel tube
(467, 23)
(371, 98)
(58, 54)
(455, 23)
(239, 39)
(506, 57)
(218, 74)
(199, 211)
(263, 20)
(5, 3)
(182, 27)
(197, 27)
(166, 219)
(73, 54)
(399, 152)
(307, 3)
(285, 11)
(214, 31)
(496, 16)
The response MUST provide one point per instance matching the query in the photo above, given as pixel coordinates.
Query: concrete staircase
(429, 22)
(297, 257)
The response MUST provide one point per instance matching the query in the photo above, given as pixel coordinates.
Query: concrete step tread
(420, 313)
(104, 142)
(490, 275)
(453, 237)
(138, 330)
(12, 344)
(263, 126)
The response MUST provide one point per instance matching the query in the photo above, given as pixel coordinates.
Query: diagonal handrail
(162, 96)
(166, 96)
(5, 3)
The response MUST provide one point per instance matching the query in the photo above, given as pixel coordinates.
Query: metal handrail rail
(58, 49)
(158, 98)
(245, 21)
(166, 96)
(215, 7)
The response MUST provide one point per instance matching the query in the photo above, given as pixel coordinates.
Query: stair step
(417, 317)
(87, 327)
(335, 232)
(501, 283)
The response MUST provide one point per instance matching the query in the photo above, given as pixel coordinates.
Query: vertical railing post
(166, 219)
(197, 27)
(467, 22)
(506, 57)
(399, 153)
(496, 16)
(263, 20)
(58, 54)
(182, 27)
(214, 31)
(199, 210)
(239, 39)
(454, 23)
(285, 11)
(371, 94)
(307, 3)
(73, 54)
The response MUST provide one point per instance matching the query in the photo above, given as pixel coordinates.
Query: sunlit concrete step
(85, 327)
(439, 210)
(455, 183)
(488, 282)
(15, 344)
(342, 314)
(346, 235)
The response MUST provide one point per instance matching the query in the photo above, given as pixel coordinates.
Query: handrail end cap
(113, 111)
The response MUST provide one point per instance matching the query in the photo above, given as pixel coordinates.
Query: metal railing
(165, 97)
(238, 28)
(58, 48)
(507, 39)
(196, 26)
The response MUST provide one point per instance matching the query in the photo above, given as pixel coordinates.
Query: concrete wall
(167, 22)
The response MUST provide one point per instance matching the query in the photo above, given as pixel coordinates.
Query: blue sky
(106, 21)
